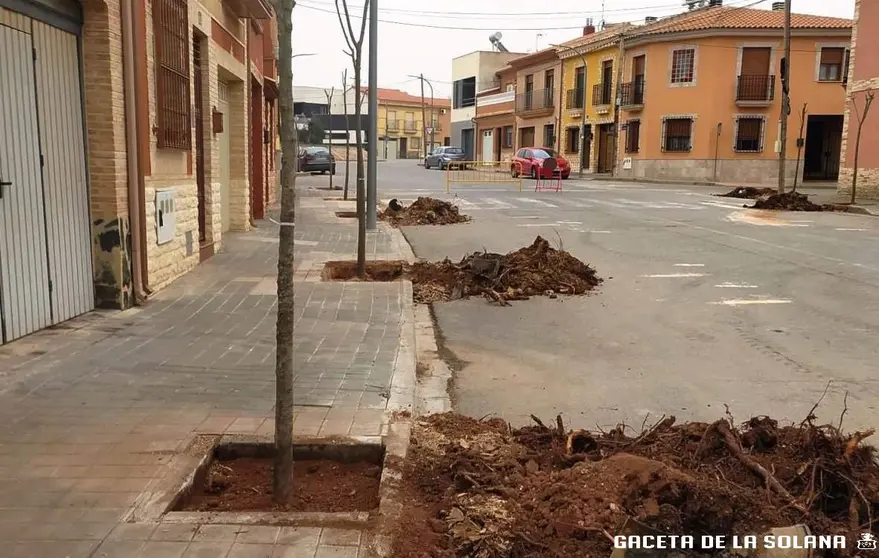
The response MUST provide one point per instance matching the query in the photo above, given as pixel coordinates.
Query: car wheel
(442, 166)
(323, 172)
(426, 165)
(533, 173)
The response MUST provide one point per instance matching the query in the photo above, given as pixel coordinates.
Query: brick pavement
(92, 411)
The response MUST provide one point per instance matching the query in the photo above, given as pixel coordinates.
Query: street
(704, 304)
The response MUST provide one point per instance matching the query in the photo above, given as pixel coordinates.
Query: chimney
(589, 28)
(778, 6)
(650, 19)
(713, 3)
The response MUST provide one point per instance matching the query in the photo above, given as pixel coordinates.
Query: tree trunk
(332, 158)
(347, 143)
(283, 472)
(361, 186)
(855, 169)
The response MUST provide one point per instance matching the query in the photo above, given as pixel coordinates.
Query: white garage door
(392, 150)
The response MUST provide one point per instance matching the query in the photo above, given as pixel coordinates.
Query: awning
(270, 89)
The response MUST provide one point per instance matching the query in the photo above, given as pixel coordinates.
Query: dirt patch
(346, 214)
(747, 193)
(480, 488)
(538, 269)
(319, 486)
(789, 201)
(346, 270)
(423, 211)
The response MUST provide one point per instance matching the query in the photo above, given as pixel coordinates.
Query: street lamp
(432, 112)
(583, 116)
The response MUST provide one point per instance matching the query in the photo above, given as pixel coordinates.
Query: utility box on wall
(166, 218)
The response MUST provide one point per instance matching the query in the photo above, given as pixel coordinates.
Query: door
(467, 143)
(487, 145)
(223, 139)
(25, 304)
(605, 148)
(639, 64)
(754, 82)
(198, 115)
(391, 150)
(607, 82)
(498, 143)
(404, 148)
(257, 190)
(580, 87)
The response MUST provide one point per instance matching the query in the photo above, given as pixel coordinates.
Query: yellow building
(590, 88)
(401, 129)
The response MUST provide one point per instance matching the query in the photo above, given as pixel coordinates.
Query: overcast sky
(418, 36)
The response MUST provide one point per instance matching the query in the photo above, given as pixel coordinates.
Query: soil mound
(481, 488)
(789, 201)
(538, 269)
(747, 193)
(423, 211)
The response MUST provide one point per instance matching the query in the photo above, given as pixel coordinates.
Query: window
(831, 68)
(677, 134)
(633, 136)
(508, 136)
(549, 80)
(683, 63)
(572, 140)
(749, 134)
(415, 143)
(464, 93)
(549, 135)
(173, 107)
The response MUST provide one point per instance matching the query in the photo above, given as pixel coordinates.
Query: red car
(531, 159)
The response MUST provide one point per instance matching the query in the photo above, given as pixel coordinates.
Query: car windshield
(453, 150)
(540, 154)
(550, 152)
(313, 150)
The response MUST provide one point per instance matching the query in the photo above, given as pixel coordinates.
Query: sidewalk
(93, 410)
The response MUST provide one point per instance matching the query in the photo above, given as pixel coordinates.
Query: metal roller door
(45, 246)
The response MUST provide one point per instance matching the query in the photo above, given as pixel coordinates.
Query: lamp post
(583, 116)
(432, 113)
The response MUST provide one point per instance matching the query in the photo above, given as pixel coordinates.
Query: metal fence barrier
(483, 172)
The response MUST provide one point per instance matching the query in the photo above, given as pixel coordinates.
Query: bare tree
(862, 117)
(355, 51)
(283, 473)
(329, 95)
(345, 90)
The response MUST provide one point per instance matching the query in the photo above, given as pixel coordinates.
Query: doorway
(586, 148)
(404, 148)
(205, 247)
(257, 191)
(526, 137)
(467, 143)
(605, 148)
(225, 154)
(823, 146)
(391, 149)
(487, 145)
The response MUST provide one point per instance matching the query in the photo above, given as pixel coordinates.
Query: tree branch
(342, 25)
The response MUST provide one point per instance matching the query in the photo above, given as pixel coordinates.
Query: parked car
(316, 158)
(531, 159)
(441, 157)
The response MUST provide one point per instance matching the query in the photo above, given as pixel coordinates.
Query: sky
(422, 36)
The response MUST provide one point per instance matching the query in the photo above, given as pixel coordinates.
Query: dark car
(316, 159)
(531, 161)
(442, 156)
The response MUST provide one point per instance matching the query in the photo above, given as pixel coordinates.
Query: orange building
(711, 99)
(495, 118)
(864, 76)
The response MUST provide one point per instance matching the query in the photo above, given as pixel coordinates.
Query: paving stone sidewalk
(92, 411)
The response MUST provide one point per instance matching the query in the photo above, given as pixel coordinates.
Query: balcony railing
(601, 94)
(394, 125)
(410, 126)
(576, 98)
(538, 99)
(632, 93)
(755, 89)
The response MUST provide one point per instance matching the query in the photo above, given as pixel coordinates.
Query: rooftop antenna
(601, 24)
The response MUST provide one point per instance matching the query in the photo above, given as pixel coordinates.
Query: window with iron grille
(508, 136)
(749, 134)
(549, 135)
(677, 134)
(173, 105)
(572, 140)
(831, 68)
(683, 63)
(633, 136)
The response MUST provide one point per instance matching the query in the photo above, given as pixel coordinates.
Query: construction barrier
(483, 172)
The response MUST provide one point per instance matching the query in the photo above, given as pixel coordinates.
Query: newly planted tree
(862, 117)
(283, 479)
(345, 90)
(329, 95)
(355, 52)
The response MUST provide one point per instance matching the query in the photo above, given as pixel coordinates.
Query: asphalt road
(705, 304)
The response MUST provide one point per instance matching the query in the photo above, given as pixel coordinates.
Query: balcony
(755, 91)
(394, 125)
(632, 95)
(602, 94)
(576, 99)
(536, 101)
(410, 127)
(435, 126)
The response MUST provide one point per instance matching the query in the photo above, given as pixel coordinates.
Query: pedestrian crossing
(524, 202)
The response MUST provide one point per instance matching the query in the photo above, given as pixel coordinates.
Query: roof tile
(726, 17)
(397, 96)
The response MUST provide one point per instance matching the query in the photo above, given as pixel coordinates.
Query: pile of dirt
(789, 201)
(538, 269)
(481, 488)
(424, 211)
(747, 193)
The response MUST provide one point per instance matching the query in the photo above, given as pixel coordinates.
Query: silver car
(442, 157)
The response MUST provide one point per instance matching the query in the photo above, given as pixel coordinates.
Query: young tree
(283, 473)
(317, 134)
(329, 95)
(355, 51)
(345, 90)
(861, 116)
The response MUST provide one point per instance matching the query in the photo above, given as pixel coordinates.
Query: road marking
(569, 222)
(853, 230)
(600, 232)
(689, 265)
(673, 275)
(464, 203)
(721, 205)
(500, 204)
(537, 225)
(538, 202)
(746, 302)
(728, 285)
(526, 217)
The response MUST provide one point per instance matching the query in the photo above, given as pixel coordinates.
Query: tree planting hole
(347, 214)
(382, 270)
(329, 478)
